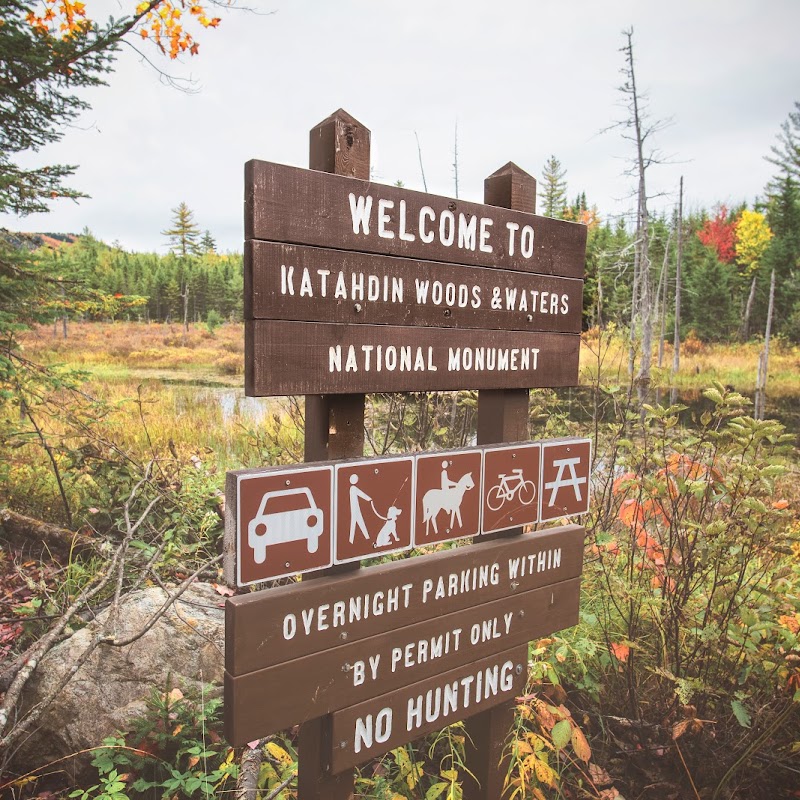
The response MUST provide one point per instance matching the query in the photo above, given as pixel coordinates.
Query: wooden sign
(351, 286)
(315, 284)
(566, 471)
(288, 622)
(448, 496)
(511, 486)
(374, 502)
(357, 671)
(282, 522)
(296, 357)
(298, 206)
(376, 726)
(289, 520)
(301, 651)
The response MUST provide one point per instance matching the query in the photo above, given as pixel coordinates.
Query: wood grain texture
(428, 697)
(286, 358)
(315, 284)
(278, 697)
(254, 632)
(296, 206)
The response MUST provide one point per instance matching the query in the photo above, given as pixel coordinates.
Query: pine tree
(184, 235)
(554, 188)
(786, 154)
(208, 244)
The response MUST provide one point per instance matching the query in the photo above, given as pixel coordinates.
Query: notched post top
(340, 145)
(511, 187)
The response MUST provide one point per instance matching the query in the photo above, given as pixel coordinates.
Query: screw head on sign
(357, 308)
(286, 565)
(522, 612)
(568, 450)
(288, 483)
(529, 318)
(447, 312)
(513, 455)
(511, 519)
(343, 635)
(518, 669)
(514, 584)
(342, 744)
(376, 470)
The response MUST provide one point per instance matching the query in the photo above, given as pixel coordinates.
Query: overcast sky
(523, 80)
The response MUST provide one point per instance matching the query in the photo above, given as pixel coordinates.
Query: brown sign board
(283, 523)
(287, 358)
(566, 470)
(379, 725)
(511, 486)
(315, 284)
(374, 502)
(448, 496)
(288, 622)
(297, 206)
(275, 698)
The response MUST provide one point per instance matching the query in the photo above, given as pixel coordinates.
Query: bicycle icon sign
(511, 486)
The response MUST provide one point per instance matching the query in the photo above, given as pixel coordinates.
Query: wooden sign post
(354, 287)
(334, 428)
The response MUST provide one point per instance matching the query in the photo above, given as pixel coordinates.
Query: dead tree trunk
(744, 333)
(763, 358)
(676, 341)
(663, 281)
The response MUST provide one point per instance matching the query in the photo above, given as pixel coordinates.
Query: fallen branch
(24, 533)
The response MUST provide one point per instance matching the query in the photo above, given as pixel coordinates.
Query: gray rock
(185, 647)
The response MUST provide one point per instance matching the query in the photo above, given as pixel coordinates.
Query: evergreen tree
(786, 154)
(708, 288)
(208, 243)
(184, 235)
(554, 194)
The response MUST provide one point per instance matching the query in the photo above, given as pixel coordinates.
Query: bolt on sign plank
(283, 521)
(444, 294)
(379, 725)
(566, 469)
(448, 496)
(300, 651)
(374, 508)
(510, 486)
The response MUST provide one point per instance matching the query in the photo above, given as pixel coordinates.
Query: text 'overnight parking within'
(360, 607)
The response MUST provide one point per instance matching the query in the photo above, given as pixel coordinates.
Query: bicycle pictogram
(509, 487)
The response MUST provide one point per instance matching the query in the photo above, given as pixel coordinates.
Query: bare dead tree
(455, 159)
(676, 342)
(763, 357)
(421, 167)
(663, 283)
(638, 128)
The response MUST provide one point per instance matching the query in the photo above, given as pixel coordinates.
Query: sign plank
(278, 697)
(379, 725)
(298, 206)
(315, 284)
(266, 628)
(285, 358)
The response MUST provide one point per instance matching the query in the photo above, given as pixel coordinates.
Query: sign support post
(334, 428)
(502, 417)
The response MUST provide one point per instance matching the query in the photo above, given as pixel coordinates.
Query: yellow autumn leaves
(159, 21)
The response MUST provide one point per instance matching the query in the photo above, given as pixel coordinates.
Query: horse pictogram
(448, 499)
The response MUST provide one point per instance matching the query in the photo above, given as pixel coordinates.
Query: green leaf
(741, 713)
(562, 731)
(436, 791)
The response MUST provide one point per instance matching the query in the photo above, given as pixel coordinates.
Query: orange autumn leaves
(59, 17)
(162, 22)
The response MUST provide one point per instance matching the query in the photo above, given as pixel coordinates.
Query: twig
(249, 768)
(688, 774)
(280, 787)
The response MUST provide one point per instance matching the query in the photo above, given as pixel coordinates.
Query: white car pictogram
(286, 515)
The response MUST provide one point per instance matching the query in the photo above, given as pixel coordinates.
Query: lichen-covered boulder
(184, 648)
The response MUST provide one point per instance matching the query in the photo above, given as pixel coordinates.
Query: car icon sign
(285, 515)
